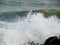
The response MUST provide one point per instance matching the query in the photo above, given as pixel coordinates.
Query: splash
(33, 28)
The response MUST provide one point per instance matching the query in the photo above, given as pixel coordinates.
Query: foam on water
(33, 28)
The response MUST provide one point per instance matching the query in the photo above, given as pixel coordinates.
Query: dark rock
(52, 41)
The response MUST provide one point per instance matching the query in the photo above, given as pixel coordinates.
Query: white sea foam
(33, 28)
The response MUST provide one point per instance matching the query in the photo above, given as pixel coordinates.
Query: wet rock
(52, 41)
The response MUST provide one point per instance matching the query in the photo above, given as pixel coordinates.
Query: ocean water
(19, 25)
(18, 5)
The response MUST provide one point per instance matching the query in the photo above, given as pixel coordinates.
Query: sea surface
(18, 5)
(19, 25)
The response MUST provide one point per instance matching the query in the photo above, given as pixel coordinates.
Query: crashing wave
(34, 27)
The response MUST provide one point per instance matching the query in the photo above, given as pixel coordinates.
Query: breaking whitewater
(19, 28)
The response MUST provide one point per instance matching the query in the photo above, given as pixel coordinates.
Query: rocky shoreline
(50, 41)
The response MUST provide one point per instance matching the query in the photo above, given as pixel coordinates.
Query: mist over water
(35, 27)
